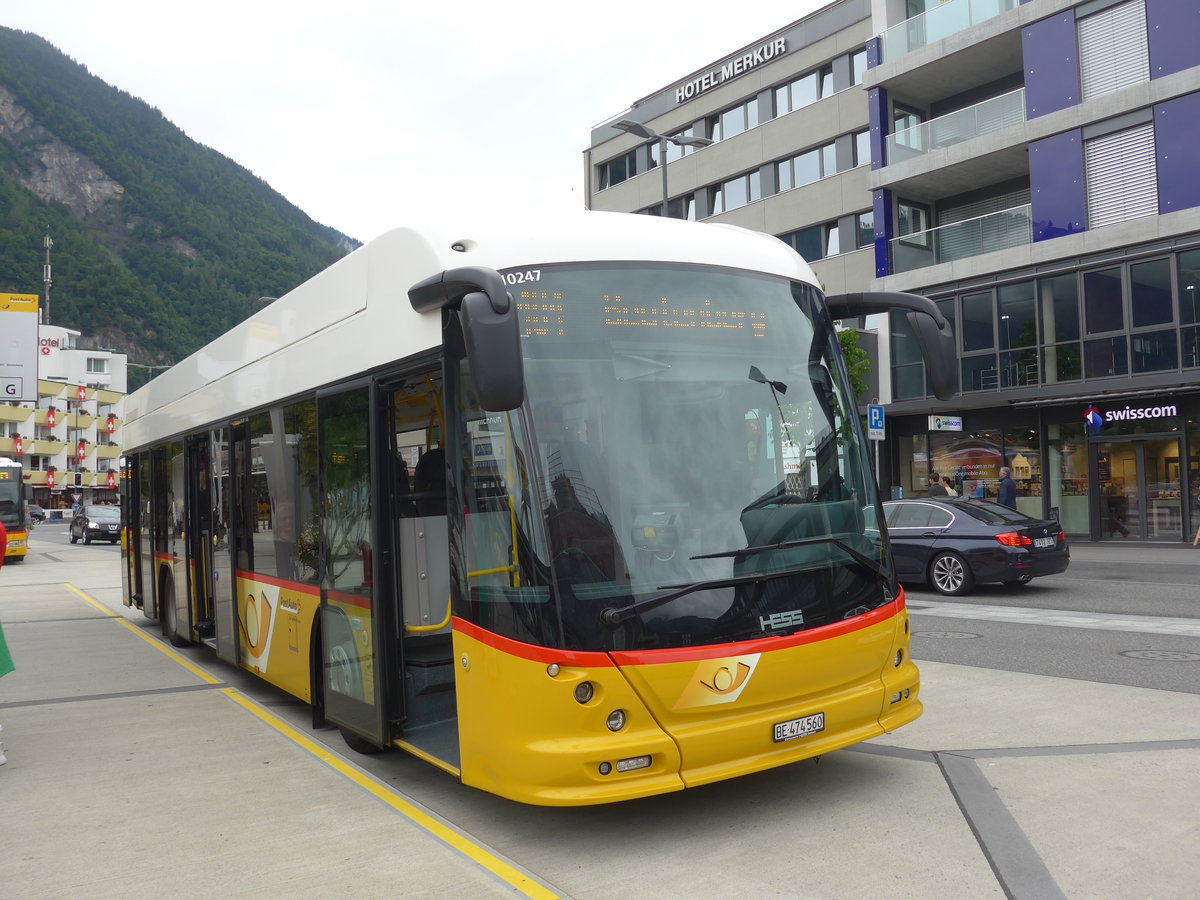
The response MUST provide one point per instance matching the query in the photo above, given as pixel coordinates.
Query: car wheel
(949, 574)
(87, 538)
(74, 540)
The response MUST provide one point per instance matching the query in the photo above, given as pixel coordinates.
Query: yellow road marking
(425, 820)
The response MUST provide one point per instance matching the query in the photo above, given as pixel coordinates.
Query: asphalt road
(1087, 620)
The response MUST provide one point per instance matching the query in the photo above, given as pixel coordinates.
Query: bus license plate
(798, 728)
(1043, 542)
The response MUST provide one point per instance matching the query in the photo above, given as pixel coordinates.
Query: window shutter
(1121, 176)
(1113, 50)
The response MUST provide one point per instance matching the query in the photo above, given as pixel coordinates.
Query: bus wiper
(861, 558)
(615, 616)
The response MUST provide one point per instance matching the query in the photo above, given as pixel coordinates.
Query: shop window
(1066, 476)
(1022, 454)
(913, 468)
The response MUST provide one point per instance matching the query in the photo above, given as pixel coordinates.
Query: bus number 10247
(527, 277)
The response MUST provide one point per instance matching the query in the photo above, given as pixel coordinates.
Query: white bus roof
(355, 315)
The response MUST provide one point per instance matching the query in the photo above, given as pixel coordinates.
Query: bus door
(200, 536)
(131, 538)
(413, 473)
(171, 524)
(223, 583)
(353, 634)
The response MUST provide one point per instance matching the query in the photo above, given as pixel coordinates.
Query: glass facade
(1136, 318)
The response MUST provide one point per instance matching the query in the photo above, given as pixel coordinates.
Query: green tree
(858, 364)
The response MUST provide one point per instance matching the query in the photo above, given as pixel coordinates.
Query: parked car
(35, 512)
(96, 523)
(953, 544)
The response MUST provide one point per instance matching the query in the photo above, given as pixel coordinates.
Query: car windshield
(688, 442)
(102, 512)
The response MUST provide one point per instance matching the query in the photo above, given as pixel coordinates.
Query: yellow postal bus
(514, 500)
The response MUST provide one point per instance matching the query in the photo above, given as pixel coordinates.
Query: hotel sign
(732, 68)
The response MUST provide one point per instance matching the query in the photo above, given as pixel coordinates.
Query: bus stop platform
(136, 770)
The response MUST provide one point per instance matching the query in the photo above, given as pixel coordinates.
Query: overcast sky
(370, 113)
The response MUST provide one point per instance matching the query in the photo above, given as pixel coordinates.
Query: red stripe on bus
(356, 600)
(521, 650)
(279, 582)
(686, 654)
(759, 645)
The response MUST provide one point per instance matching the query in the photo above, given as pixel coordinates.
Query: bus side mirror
(934, 334)
(490, 328)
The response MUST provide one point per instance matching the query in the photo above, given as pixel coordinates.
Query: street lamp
(679, 140)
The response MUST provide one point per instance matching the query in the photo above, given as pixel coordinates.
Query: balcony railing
(959, 240)
(939, 22)
(958, 126)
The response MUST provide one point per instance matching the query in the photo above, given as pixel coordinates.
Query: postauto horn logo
(1093, 419)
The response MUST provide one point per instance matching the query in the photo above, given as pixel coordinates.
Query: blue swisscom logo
(1093, 420)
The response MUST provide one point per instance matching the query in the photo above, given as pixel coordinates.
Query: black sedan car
(35, 512)
(96, 523)
(953, 544)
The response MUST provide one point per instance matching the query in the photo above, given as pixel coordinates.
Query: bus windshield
(696, 461)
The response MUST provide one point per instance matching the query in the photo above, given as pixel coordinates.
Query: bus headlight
(899, 658)
(584, 692)
(616, 720)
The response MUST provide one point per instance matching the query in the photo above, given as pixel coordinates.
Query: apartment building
(1026, 165)
(68, 441)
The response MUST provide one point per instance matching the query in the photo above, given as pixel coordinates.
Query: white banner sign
(18, 346)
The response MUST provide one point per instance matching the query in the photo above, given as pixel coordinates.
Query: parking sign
(875, 425)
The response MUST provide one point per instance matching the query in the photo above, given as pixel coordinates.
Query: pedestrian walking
(1007, 495)
(936, 488)
(948, 484)
(6, 663)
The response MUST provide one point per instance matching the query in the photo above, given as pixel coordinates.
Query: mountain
(159, 243)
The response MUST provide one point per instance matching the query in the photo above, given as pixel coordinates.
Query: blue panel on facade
(1172, 26)
(1175, 140)
(881, 203)
(874, 52)
(877, 104)
(1051, 52)
(1057, 186)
